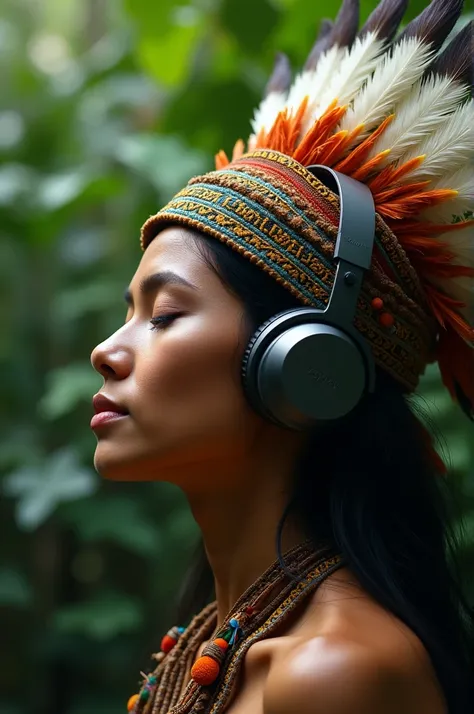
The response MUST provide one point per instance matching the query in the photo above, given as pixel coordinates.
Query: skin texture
(189, 424)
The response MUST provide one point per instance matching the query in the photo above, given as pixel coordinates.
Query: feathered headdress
(396, 113)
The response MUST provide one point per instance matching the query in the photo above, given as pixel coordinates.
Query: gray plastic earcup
(305, 374)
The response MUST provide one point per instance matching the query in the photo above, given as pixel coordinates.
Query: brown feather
(385, 19)
(434, 24)
(456, 60)
(280, 78)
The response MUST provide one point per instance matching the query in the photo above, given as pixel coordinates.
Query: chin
(115, 466)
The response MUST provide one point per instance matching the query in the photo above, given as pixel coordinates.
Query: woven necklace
(262, 608)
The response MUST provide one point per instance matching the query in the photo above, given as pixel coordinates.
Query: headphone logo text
(356, 243)
(322, 377)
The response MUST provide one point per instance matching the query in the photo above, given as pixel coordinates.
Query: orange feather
(354, 159)
(366, 169)
(239, 148)
(221, 160)
(391, 174)
(310, 145)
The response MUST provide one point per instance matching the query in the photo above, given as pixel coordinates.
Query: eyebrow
(154, 282)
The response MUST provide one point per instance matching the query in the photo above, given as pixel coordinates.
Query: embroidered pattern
(276, 213)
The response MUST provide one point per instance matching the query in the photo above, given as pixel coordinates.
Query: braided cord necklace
(262, 608)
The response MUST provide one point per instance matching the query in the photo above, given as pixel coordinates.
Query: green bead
(144, 695)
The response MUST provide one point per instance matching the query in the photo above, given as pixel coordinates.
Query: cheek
(190, 378)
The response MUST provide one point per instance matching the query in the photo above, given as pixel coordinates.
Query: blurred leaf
(66, 387)
(163, 160)
(179, 43)
(57, 191)
(151, 17)
(40, 489)
(74, 303)
(107, 615)
(15, 590)
(16, 182)
(104, 519)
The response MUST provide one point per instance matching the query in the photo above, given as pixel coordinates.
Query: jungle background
(107, 108)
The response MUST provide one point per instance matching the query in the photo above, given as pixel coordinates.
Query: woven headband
(398, 117)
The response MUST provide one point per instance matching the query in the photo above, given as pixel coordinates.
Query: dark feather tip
(385, 19)
(280, 78)
(434, 24)
(346, 24)
(320, 44)
(456, 59)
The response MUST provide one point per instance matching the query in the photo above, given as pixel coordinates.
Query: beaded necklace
(262, 608)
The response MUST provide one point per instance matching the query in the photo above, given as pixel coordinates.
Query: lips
(106, 411)
(102, 403)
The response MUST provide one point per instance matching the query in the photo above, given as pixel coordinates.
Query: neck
(239, 521)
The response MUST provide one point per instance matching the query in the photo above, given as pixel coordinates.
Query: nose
(111, 361)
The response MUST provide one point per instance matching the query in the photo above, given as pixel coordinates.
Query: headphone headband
(307, 365)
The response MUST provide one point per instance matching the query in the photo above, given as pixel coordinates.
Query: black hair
(377, 499)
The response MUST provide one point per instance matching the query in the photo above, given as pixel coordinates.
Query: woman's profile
(283, 311)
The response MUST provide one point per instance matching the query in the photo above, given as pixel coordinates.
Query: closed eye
(160, 322)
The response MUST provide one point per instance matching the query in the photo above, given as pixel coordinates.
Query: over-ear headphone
(305, 365)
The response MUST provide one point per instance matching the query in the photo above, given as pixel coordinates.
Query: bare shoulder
(337, 677)
(350, 656)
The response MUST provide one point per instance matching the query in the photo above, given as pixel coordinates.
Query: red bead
(167, 644)
(386, 319)
(250, 610)
(377, 303)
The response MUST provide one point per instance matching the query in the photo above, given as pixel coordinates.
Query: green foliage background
(107, 108)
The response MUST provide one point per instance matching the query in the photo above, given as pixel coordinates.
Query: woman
(357, 609)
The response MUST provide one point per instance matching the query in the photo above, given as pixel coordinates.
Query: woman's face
(174, 367)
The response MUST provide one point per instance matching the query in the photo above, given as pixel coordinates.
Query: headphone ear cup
(249, 367)
(298, 371)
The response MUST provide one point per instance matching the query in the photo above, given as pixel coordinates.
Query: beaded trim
(264, 606)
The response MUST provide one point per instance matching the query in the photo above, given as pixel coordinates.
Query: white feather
(448, 148)
(311, 83)
(461, 243)
(395, 75)
(300, 88)
(356, 65)
(419, 113)
(461, 181)
(267, 112)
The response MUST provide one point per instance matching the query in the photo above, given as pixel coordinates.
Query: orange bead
(377, 303)
(132, 701)
(386, 319)
(220, 642)
(205, 670)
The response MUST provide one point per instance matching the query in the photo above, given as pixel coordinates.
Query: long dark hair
(366, 486)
